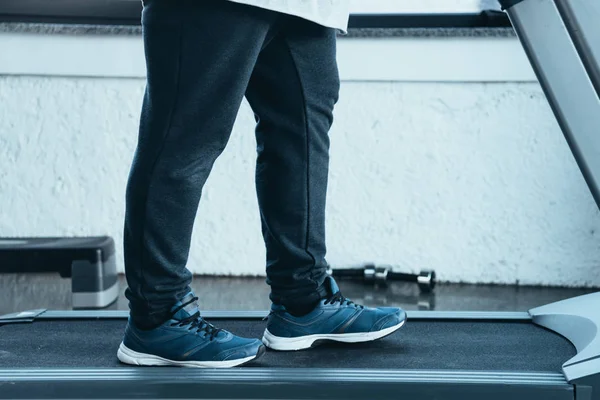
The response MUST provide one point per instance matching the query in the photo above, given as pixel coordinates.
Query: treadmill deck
(426, 345)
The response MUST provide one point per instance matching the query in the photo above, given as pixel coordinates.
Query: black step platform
(88, 261)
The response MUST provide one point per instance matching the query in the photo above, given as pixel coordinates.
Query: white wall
(470, 178)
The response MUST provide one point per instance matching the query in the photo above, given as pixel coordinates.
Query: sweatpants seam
(155, 163)
(307, 130)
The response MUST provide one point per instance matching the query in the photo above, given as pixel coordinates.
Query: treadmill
(550, 352)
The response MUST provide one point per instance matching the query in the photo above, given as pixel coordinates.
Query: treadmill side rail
(582, 20)
(280, 384)
(216, 315)
(563, 76)
(20, 317)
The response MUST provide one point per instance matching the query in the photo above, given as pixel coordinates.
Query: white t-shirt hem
(329, 13)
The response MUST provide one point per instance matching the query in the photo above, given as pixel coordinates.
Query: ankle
(145, 325)
(300, 309)
(148, 322)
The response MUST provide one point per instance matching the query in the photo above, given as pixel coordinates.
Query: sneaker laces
(195, 321)
(339, 298)
(335, 298)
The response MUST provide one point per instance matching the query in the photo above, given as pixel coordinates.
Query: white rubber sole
(306, 342)
(128, 356)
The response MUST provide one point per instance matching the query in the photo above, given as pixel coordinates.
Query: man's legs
(200, 56)
(293, 91)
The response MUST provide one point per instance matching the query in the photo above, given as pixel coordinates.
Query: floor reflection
(31, 291)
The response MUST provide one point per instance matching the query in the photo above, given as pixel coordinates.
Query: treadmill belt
(475, 346)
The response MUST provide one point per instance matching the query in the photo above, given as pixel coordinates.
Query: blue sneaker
(334, 319)
(187, 340)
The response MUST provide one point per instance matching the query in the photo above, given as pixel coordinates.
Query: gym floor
(34, 291)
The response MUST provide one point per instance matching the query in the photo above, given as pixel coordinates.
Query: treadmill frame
(281, 383)
(568, 70)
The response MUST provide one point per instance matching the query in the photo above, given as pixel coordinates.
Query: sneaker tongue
(331, 286)
(191, 307)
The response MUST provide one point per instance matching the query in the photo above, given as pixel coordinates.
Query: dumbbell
(372, 274)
